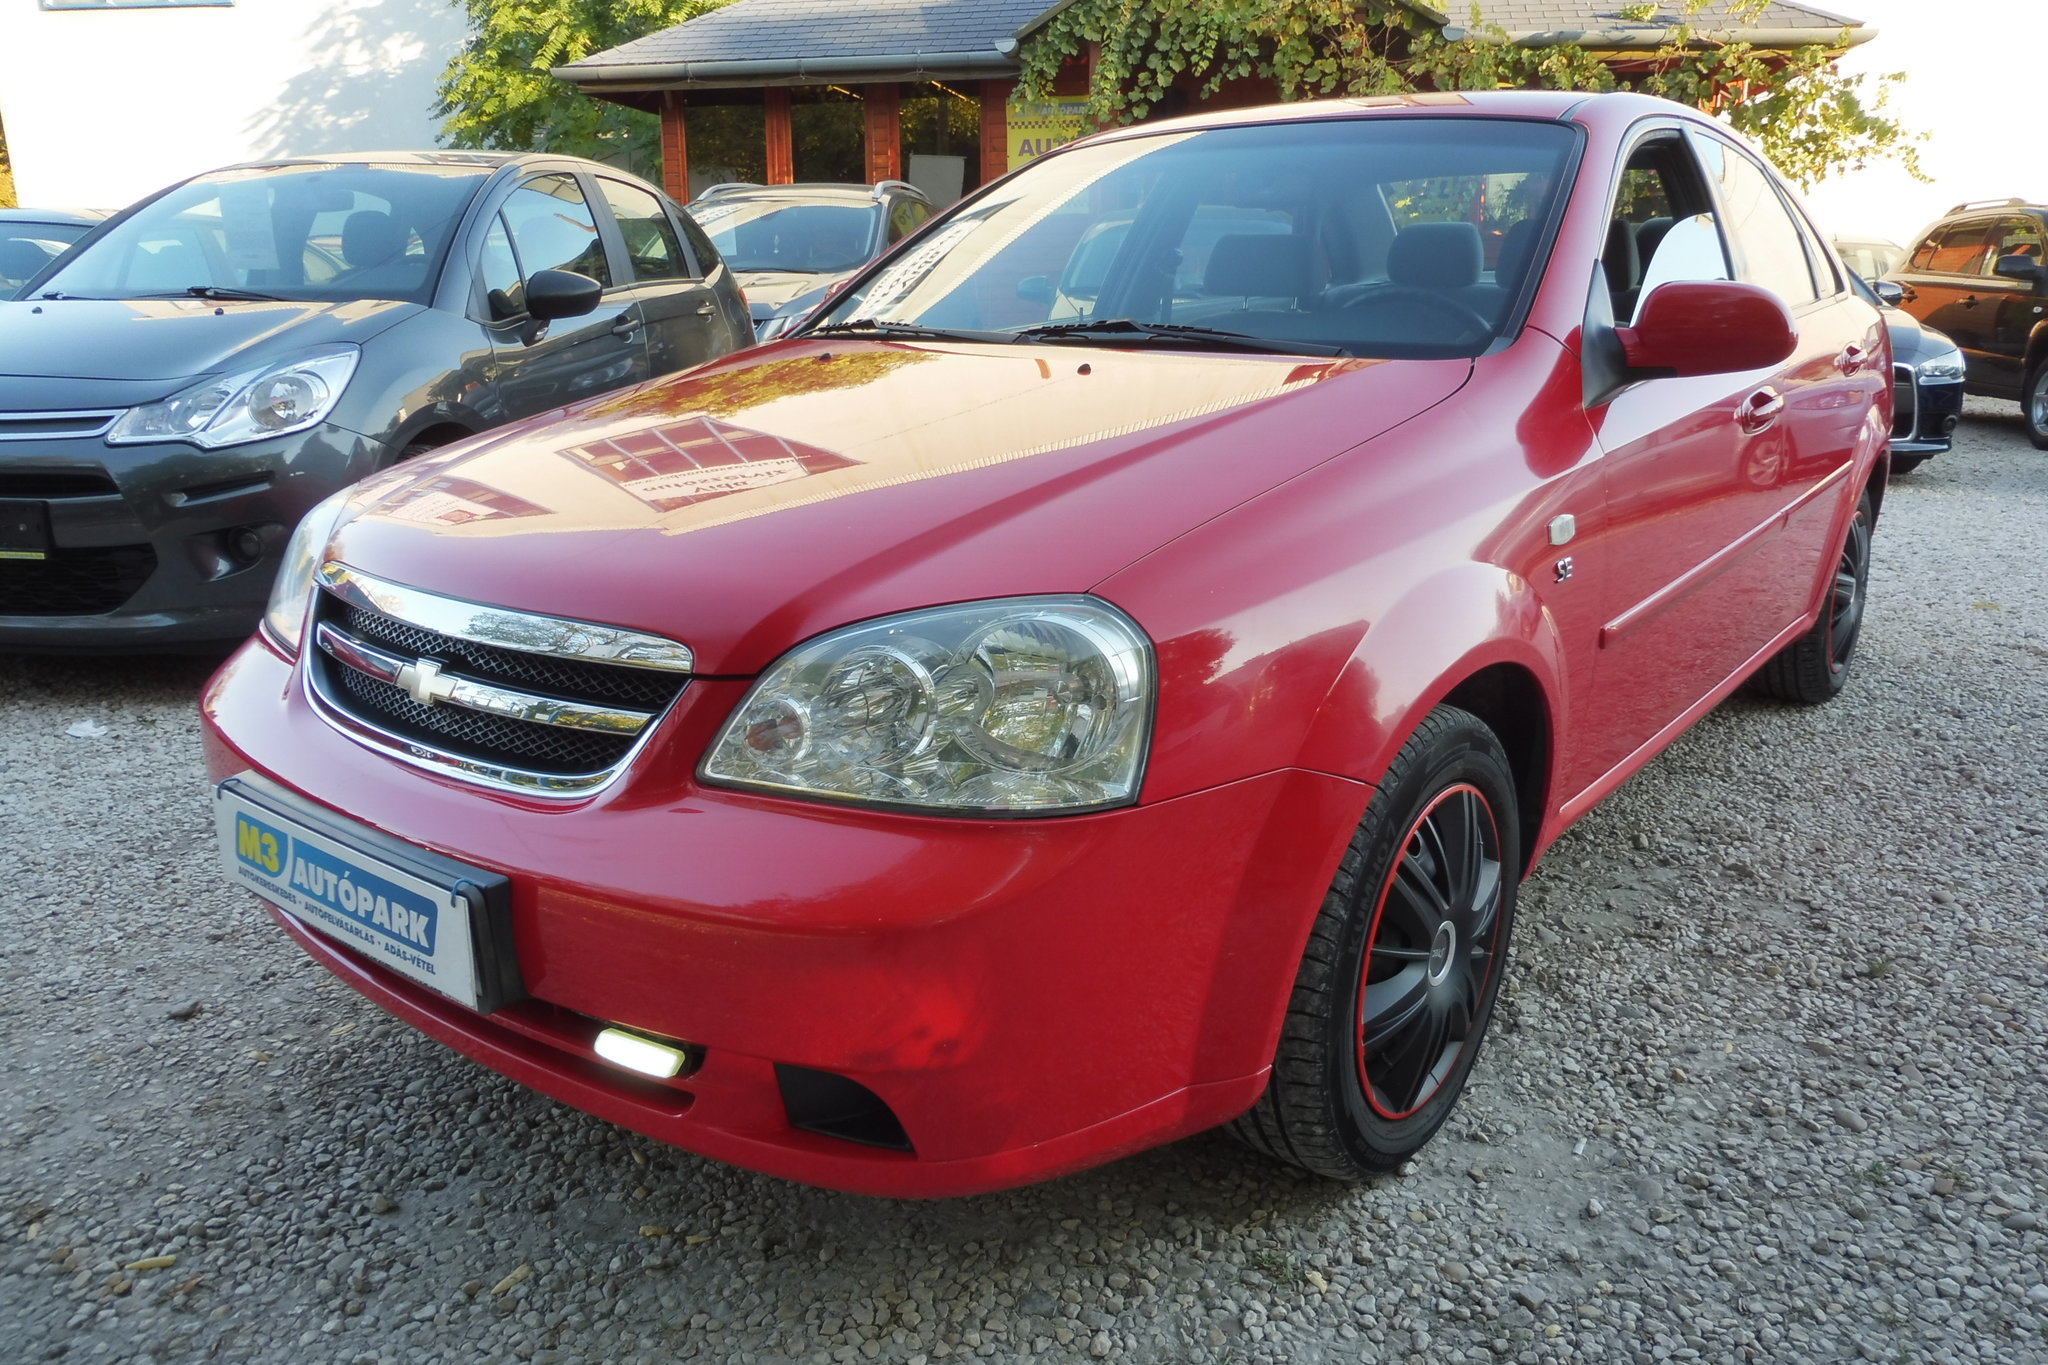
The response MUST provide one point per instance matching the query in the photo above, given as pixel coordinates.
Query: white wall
(104, 106)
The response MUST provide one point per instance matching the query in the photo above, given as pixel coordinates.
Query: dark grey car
(180, 388)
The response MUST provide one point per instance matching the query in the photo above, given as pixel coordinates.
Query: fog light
(246, 544)
(643, 1055)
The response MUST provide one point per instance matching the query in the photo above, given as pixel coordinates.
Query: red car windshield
(1369, 236)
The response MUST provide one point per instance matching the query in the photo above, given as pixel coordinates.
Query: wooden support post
(883, 112)
(675, 149)
(781, 145)
(995, 129)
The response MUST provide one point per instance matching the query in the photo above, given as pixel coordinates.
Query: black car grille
(1905, 403)
(86, 582)
(480, 736)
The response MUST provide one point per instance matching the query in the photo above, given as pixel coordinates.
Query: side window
(552, 228)
(906, 218)
(1760, 225)
(1824, 272)
(2019, 236)
(1661, 230)
(651, 242)
(504, 286)
(700, 245)
(1958, 249)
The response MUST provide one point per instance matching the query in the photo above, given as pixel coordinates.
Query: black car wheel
(1403, 965)
(1906, 464)
(1814, 667)
(2034, 405)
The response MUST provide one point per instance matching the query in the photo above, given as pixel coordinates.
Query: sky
(1972, 70)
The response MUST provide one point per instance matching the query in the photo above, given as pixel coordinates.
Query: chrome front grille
(537, 704)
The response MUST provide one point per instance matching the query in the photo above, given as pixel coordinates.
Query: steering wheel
(1471, 322)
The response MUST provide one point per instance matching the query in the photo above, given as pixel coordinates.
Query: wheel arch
(1511, 702)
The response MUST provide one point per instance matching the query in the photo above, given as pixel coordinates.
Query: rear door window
(652, 248)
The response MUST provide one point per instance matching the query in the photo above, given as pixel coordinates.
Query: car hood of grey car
(59, 354)
(771, 291)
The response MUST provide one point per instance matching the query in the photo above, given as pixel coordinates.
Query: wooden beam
(883, 111)
(675, 149)
(781, 145)
(995, 129)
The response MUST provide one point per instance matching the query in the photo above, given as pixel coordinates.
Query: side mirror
(552, 294)
(1889, 292)
(1694, 327)
(1036, 289)
(2027, 268)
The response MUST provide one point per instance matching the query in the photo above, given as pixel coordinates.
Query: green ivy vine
(1812, 120)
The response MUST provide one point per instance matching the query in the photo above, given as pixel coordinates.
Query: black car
(790, 244)
(1980, 274)
(1927, 380)
(181, 386)
(30, 239)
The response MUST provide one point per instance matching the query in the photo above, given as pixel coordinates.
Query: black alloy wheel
(2034, 404)
(1403, 963)
(1430, 954)
(1815, 667)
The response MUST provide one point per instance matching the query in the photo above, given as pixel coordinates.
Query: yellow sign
(1037, 128)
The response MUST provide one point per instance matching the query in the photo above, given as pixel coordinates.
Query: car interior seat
(20, 258)
(370, 238)
(1623, 265)
(1252, 265)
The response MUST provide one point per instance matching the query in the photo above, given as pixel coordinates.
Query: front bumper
(1026, 997)
(143, 537)
(1924, 414)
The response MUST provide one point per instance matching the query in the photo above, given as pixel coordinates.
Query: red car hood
(750, 504)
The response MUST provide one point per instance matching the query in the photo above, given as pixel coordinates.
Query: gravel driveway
(1768, 1085)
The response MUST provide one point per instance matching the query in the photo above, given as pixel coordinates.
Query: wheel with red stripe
(1404, 963)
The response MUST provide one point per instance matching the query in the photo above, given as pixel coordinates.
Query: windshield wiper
(908, 331)
(217, 291)
(1123, 329)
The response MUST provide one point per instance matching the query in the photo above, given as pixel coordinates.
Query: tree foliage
(497, 92)
(1812, 120)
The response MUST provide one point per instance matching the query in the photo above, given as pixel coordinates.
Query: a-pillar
(995, 129)
(883, 113)
(781, 145)
(675, 149)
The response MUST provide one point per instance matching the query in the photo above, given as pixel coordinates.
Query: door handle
(625, 327)
(1970, 301)
(1851, 359)
(1759, 411)
(706, 309)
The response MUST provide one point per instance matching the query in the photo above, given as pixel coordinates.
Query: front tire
(1815, 667)
(1403, 964)
(1906, 464)
(2034, 404)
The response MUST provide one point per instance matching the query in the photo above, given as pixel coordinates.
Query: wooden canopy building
(871, 90)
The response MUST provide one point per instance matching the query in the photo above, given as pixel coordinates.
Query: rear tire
(1815, 667)
(1403, 964)
(2034, 404)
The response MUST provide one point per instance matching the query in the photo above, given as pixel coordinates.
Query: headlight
(1030, 705)
(291, 594)
(1941, 366)
(248, 405)
(773, 327)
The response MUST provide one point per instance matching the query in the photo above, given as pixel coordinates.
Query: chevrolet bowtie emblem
(424, 683)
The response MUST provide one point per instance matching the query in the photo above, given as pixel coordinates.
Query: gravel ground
(1768, 1085)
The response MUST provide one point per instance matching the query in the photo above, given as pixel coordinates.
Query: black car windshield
(1377, 236)
(317, 232)
(778, 234)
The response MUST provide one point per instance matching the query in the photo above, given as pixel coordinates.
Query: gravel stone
(1791, 919)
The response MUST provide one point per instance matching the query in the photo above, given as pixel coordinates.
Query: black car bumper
(160, 547)
(1924, 415)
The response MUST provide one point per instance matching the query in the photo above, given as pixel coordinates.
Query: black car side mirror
(2017, 267)
(1889, 292)
(552, 294)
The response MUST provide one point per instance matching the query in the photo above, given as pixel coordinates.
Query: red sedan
(1104, 677)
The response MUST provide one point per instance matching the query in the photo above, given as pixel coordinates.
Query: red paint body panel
(1320, 552)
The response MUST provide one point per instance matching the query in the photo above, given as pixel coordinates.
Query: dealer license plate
(24, 529)
(424, 916)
